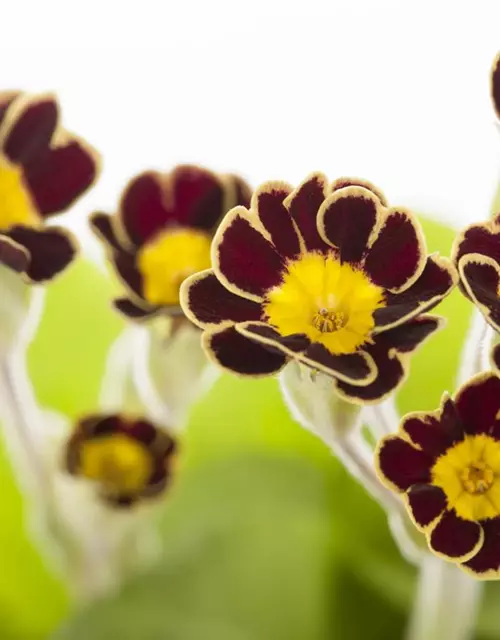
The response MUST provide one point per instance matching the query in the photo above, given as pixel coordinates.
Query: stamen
(477, 478)
(328, 321)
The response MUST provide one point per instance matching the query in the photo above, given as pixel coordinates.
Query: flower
(324, 274)
(162, 233)
(43, 170)
(446, 465)
(495, 85)
(128, 459)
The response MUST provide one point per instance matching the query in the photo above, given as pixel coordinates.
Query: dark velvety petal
(346, 220)
(140, 430)
(6, 99)
(198, 197)
(243, 259)
(102, 225)
(13, 255)
(342, 183)
(426, 503)
(397, 256)
(478, 404)
(133, 311)
(401, 465)
(495, 358)
(233, 351)
(241, 192)
(487, 559)
(51, 250)
(206, 302)
(304, 204)
(105, 425)
(272, 339)
(495, 85)
(455, 538)
(61, 175)
(355, 368)
(481, 279)
(28, 130)
(276, 219)
(405, 338)
(125, 265)
(436, 281)
(142, 210)
(426, 431)
(478, 238)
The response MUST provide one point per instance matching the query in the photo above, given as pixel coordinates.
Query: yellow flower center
(469, 474)
(122, 465)
(16, 207)
(167, 260)
(330, 302)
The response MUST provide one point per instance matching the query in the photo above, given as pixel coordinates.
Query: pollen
(328, 321)
(16, 207)
(167, 260)
(477, 478)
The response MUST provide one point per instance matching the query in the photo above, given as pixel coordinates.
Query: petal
(61, 175)
(207, 303)
(434, 432)
(142, 210)
(268, 202)
(240, 355)
(354, 368)
(478, 238)
(13, 255)
(396, 256)
(481, 278)
(486, 562)
(495, 84)
(304, 203)
(478, 404)
(50, 249)
(133, 311)
(102, 226)
(456, 539)
(400, 465)
(435, 283)
(347, 219)
(405, 338)
(495, 358)
(196, 197)
(28, 127)
(6, 99)
(126, 267)
(342, 183)
(243, 260)
(268, 336)
(140, 430)
(240, 192)
(425, 503)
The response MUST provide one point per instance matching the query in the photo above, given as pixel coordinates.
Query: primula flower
(128, 459)
(446, 465)
(324, 274)
(162, 233)
(495, 85)
(43, 170)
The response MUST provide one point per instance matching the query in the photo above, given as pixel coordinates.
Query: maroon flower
(495, 85)
(162, 233)
(446, 466)
(327, 275)
(43, 170)
(128, 459)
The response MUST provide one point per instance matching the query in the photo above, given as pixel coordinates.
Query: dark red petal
(140, 430)
(351, 367)
(347, 219)
(478, 404)
(487, 559)
(61, 175)
(342, 183)
(478, 238)
(6, 99)
(401, 464)
(198, 197)
(102, 225)
(276, 219)
(397, 254)
(133, 311)
(244, 258)
(455, 538)
(495, 85)
(495, 358)
(426, 503)
(272, 339)
(50, 249)
(304, 204)
(28, 135)
(241, 192)
(230, 350)
(13, 255)
(126, 267)
(426, 432)
(207, 302)
(436, 281)
(99, 425)
(481, 277)
(142, 210)
(407, 337)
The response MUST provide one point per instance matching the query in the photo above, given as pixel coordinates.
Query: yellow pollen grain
(168, 259)
(332, 303)
(119, 463)
(16, 207)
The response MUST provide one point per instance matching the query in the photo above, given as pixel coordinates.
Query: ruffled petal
(456, 539)
(142, 211)
(13, 255)
(195, 197)
(304, 204)
(342, 183)
(268, 202)
(478, 404)
(486, 562)
(481, 278)
(425, 504)
(435, 432)
(268, 336)
(478, 238)
(400, 465)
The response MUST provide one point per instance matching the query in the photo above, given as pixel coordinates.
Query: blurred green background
(266, 536)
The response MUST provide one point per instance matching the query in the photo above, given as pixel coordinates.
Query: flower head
(162, 233)
(128, 459)
(495, 85)
(446, 465)
(43, 170)
(324, 274)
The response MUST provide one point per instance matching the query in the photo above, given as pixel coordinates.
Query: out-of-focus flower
(324, 274)
(162, 233)
(43, 170)
(128, 459)
(495, 84)
(446, 465)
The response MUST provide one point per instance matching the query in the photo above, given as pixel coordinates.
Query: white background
(396, 92)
